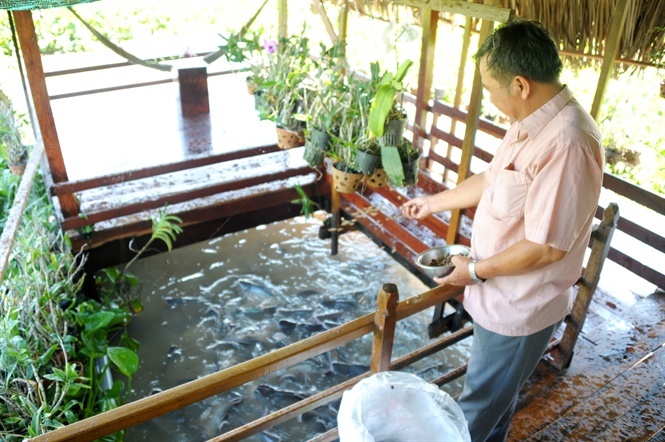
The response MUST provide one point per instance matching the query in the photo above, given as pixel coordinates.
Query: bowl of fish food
(437, 261)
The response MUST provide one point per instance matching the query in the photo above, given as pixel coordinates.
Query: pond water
(217, 303)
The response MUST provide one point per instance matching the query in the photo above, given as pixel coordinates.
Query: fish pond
(214, 304)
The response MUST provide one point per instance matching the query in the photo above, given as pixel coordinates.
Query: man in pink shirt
(535, 206)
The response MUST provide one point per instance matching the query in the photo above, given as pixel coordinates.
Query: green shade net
(21, 5)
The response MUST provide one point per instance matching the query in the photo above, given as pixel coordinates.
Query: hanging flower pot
(258, 99)
(320, 139)
(379, 178)
(367, 163)
(287, 139)
(251, 85)
(393, 132)
(317, 144)
(18, 169)
(312, 155)
(345, 179)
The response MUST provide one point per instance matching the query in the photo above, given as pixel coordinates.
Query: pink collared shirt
(544, 184)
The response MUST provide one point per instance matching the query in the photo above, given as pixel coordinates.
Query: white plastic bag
(399, 407)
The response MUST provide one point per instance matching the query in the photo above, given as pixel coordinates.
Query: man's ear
(522, 86)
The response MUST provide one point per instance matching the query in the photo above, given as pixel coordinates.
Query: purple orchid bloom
(270, 46)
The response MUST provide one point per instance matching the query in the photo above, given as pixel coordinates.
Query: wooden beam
(151, 171)
(469, 9)
(611, 49)
(430, 20)
(25, 29)
(318, 6)
(468, 144)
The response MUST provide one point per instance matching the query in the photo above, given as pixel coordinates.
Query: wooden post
(193, 85)
(469, 143)
(610, 55)
(430, 20)
(384, 328)
(563, 353)
(25, 28)
(335, 225)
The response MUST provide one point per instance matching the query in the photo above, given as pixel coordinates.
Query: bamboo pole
(457, 101)
(430, 20)
(611, 50)
(468, 145)
(13, 222)
(283, 18)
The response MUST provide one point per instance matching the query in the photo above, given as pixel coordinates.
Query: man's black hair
(521, 47)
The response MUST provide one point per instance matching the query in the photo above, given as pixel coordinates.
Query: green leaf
(125, 359)
(402, 69)
(392, 163)
(381, 105)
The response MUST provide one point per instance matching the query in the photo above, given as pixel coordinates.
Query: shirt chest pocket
(509, 194)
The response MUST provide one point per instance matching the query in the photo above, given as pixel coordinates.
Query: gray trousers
(499, 366)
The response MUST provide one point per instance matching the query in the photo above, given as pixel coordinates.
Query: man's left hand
(460, 275)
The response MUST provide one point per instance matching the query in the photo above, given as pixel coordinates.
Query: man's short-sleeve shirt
(544, 184)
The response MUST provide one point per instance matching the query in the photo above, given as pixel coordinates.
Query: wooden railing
(382, 323)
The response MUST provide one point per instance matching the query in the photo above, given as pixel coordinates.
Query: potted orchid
(288, 64)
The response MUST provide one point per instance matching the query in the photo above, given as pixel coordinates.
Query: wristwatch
(472, 273)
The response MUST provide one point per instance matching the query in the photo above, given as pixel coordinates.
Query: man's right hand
(417, 208)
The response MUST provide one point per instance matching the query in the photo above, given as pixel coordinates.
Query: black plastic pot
(367, 163)
(393, 132)
(410, 168)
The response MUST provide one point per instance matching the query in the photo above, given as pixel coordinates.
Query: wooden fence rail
(381, 323)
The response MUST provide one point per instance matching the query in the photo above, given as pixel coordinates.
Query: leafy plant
(116, 284)
(51, 339)
(240, 46)
(280, 83)
(11, 146)
(308, 206)
(383, 103)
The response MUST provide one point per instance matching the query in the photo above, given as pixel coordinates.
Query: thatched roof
(581, 26)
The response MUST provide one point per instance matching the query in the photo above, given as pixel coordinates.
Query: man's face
(504, 97)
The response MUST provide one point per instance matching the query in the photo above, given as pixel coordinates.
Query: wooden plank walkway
(613, 390)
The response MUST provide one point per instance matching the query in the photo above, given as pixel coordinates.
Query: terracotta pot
(346, 181)
(287, 139)
(378, 179)
(17, 169)
(251, 86)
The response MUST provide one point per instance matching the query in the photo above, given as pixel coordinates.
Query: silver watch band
(472, 273)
